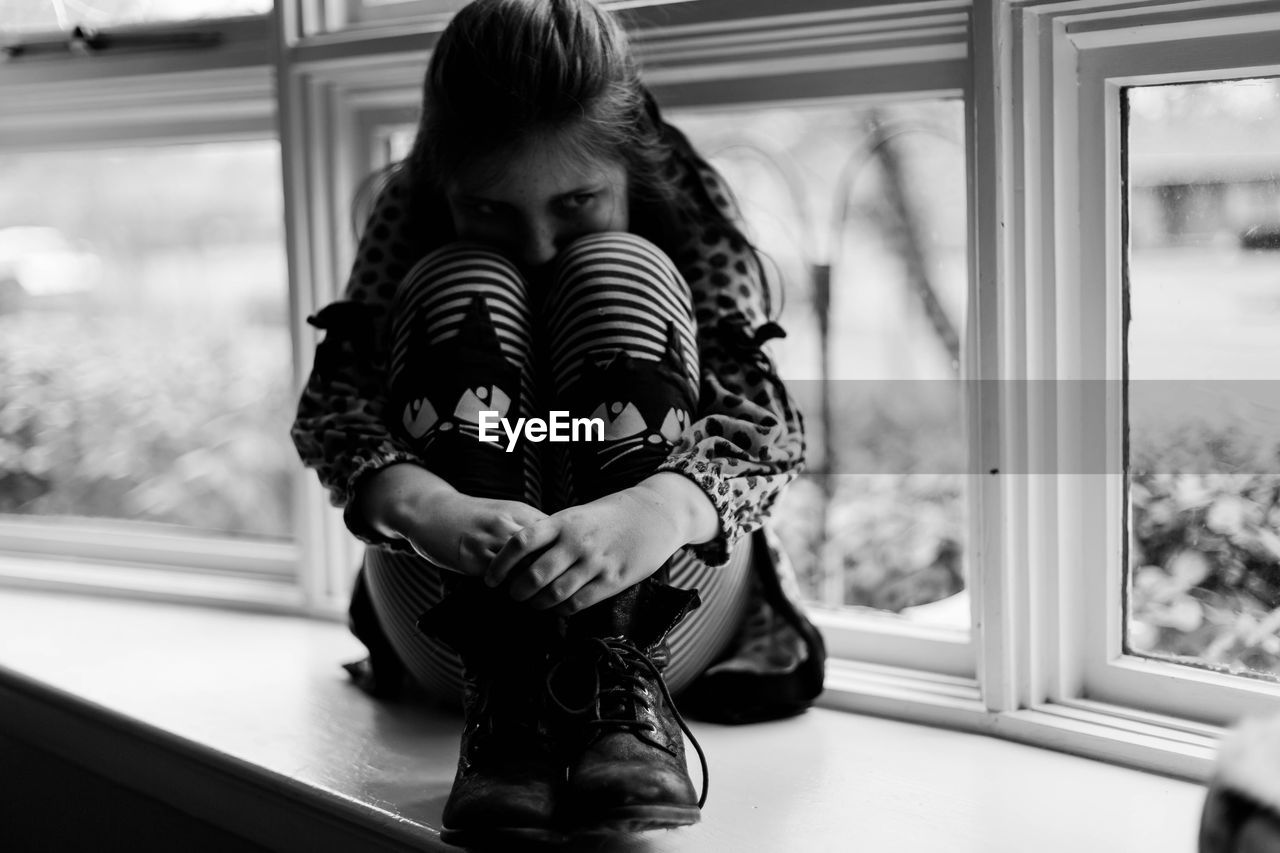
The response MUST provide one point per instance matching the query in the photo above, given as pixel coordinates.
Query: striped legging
(610, 335)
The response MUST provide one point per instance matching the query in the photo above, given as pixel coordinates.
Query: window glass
(145, 358)
(871, 199)
(66, 14)
(1203, 347)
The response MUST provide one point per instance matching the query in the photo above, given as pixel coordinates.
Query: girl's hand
(452, 530)
(464, 534)
(585, 554)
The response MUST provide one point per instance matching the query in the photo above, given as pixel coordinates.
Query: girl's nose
(539, 245)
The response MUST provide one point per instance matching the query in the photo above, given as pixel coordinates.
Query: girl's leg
(462, 344)
(622, 346)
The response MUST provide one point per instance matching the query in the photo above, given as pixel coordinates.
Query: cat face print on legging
(645, 405)
(443, 386)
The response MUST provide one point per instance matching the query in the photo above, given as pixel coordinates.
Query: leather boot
(624, 744)
(504, 791)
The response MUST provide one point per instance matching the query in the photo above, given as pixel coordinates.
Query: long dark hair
(505, 69)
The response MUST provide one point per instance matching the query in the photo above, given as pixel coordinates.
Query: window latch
(84, 41)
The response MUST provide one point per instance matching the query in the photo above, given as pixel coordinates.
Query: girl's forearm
(391, 499)
(692, 514)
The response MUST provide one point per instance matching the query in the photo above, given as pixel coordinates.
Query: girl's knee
(467, 251)
(609, 252)
(457, 264)
(607, 244)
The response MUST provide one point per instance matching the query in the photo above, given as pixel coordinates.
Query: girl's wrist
(397, 498)
(690, 511)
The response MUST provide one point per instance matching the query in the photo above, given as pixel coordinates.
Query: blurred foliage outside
(158, 390)
(103, 418)
(892, 541)
(885, 529)
(1205, 547)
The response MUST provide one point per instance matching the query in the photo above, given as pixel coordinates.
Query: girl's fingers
(562, 588)
(592, 592)
(530, 580)
(522, 545)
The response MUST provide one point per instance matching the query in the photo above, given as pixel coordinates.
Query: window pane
(1203, 344)
(145, 356)
(66, 14)
(872, 198)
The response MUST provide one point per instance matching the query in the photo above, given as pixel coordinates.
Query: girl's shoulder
(722, 268)
(717, 190)
(701, 186)
(396, 206)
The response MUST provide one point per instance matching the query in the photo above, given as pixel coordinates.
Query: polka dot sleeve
(747, 441)
(339, 430)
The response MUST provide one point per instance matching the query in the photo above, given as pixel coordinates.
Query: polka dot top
(746, 441)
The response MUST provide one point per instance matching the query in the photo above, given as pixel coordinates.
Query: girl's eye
(578, 200)
(481, 208)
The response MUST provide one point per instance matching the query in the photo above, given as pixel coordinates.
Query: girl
(551, 245)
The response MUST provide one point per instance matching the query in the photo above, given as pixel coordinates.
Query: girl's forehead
(546, 157)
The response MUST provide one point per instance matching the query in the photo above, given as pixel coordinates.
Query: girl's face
(531, 203)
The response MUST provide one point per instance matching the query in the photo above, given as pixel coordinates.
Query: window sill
(245, 721)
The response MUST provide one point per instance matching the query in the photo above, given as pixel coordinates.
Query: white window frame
(1048, 224)
(1093, 54)
(1040, 80)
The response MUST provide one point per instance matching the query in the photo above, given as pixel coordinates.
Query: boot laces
(618, 658)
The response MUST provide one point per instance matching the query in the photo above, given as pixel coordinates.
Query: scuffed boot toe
(486, 813)
(630, 796)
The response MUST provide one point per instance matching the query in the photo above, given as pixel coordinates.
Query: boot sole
(502, 838)
(632, 819)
